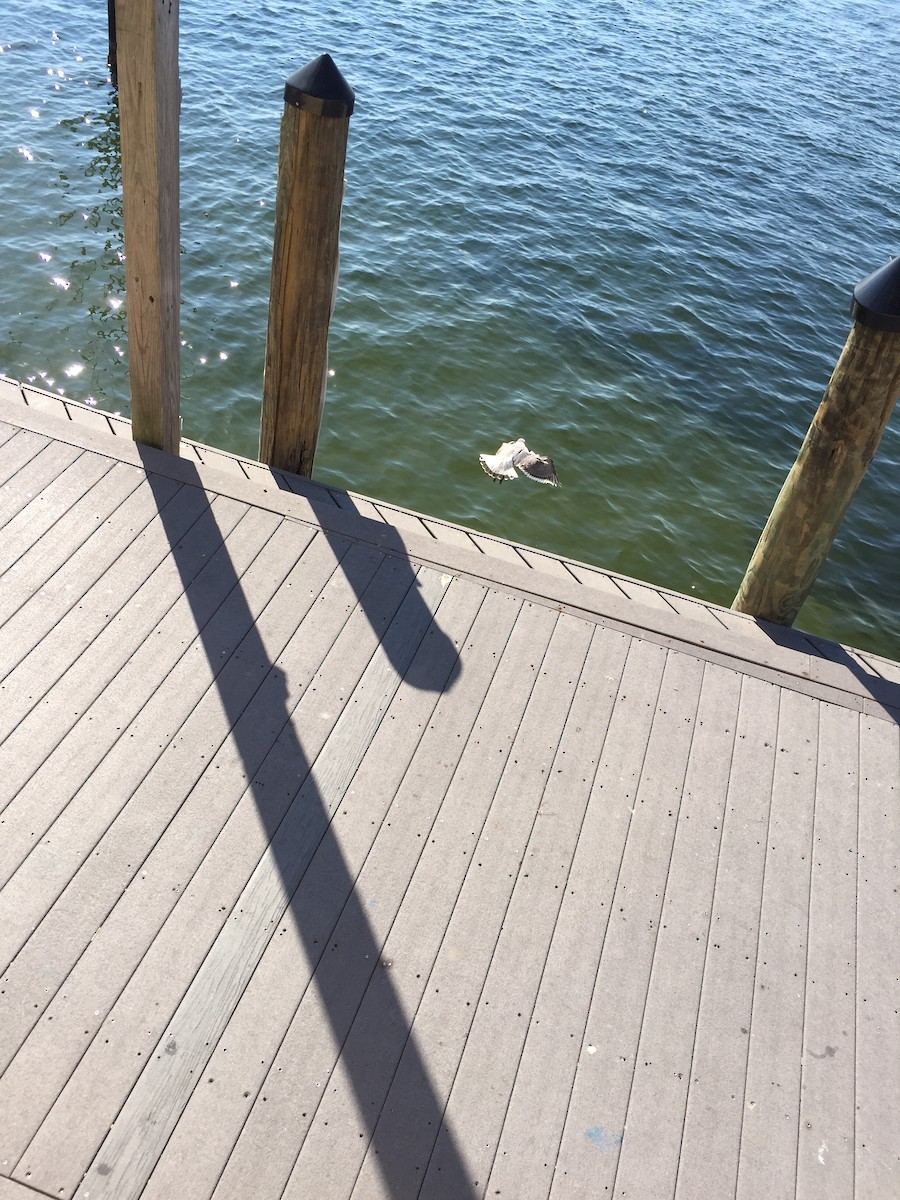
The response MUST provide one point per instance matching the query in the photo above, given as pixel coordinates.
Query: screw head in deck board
(320, 88)
(876, 300)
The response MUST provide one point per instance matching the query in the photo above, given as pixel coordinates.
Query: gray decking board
(65, 742)
(154, 612)
(506, 1007)
(383, 820)
(27, 565)
(40, 470)
(158, 1093)
(37, 498)
(710, 1139)
(69, 614)
(877, 1095)
(11, 1190)
(347, 861)
(527, 1150)
(771, 1101)
(163, 873)
(110, 542)
(490, 880)
(80, 827)
(451, 988)
(827, 1118)
(656, 1104)
(101, 769)
(595, 1124)
(343, 935)
(16, 452)
(415, 934)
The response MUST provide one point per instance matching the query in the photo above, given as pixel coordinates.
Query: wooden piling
(314, 128)
(833, 459)
(149, 103)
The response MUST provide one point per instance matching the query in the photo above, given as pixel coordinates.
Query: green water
(627, 233)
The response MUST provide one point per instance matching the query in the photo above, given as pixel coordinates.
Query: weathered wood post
(149, 102)
(318, 103)
(839, 446)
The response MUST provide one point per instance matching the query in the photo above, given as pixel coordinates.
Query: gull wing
(496, 466)
(536, 466)
(500, 465)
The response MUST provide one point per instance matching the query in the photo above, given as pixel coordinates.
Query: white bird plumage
(516, 455)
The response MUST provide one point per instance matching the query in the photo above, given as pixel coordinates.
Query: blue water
(627, 232)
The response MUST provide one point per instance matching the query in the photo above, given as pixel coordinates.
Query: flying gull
(501, 465)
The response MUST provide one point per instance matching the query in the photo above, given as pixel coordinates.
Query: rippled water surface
(625, 231)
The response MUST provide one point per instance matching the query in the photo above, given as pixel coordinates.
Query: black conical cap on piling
(876, 301)
(320, 87)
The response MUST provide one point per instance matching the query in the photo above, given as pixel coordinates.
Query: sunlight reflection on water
(628, 234)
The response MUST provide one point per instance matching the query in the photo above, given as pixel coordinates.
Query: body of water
(627, 232)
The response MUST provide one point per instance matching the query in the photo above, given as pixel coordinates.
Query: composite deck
(348, 853)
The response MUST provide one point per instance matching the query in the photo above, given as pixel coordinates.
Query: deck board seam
(712, 612)
(439, 808)
(22, 435)
(650, 973)
(139, 1081)
(612, 893)
(816, 816)
(289, 1022)
(757, 954)
(615, 687)
(54, 479)
(15, 1189)
(526, 844)
(7, 431)
(136, 534)
(139, 583)
(141, 864)
(365, 991)
(715, 884)
(110, 750)
(477, 1002)
(66, 733)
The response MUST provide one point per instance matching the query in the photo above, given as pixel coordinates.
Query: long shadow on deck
(427, 662)
(884, 691)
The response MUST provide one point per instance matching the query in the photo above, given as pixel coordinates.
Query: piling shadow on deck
(352, 856)
(297, 828)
